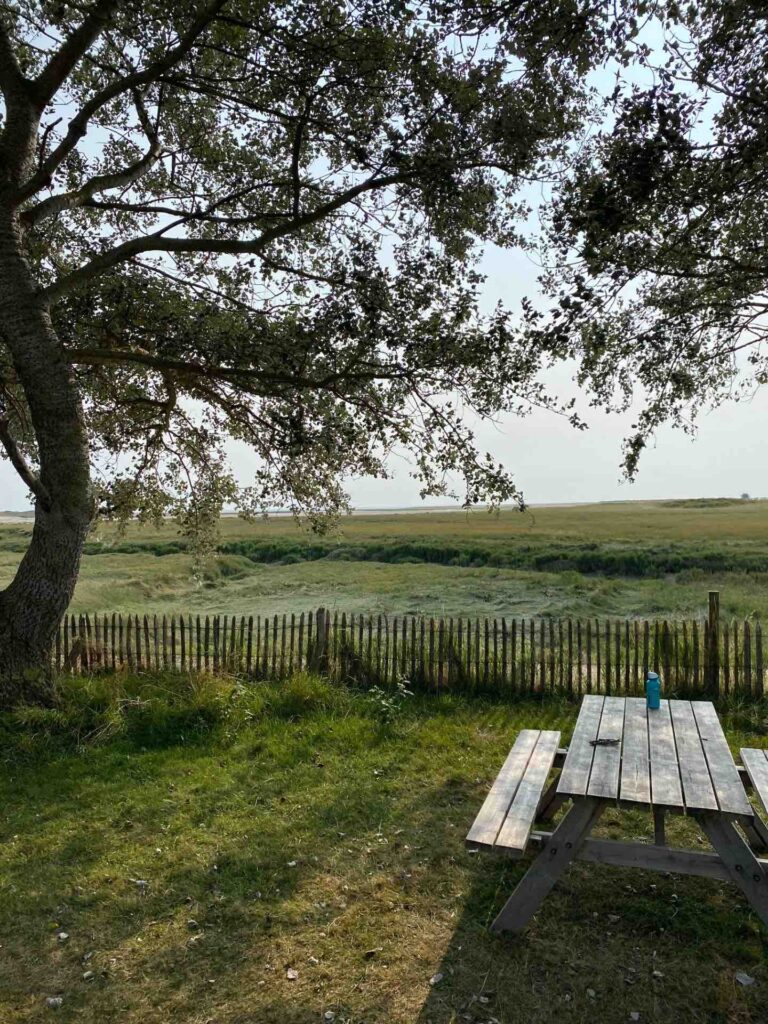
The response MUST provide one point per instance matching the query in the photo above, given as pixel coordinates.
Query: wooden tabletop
(675, 757)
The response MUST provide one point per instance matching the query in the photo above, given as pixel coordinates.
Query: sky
(554, 463)
(550, 460)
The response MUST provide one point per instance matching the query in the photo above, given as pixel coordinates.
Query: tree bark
(31, 607)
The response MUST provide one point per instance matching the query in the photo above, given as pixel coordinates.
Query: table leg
(742, 865)
(659, 835)
(551, 802)
(756, 831)
(538, 880)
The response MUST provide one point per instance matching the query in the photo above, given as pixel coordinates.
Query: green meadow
(624, 559)
(188, 849)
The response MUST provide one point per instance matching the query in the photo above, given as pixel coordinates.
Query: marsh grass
(196, 838)
(623, 559)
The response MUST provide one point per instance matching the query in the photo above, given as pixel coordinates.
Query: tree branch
(31, 479)
(79, 123)
(58, 68)
(243, 378)
(100, 183)
(249, 246)
(11, 79)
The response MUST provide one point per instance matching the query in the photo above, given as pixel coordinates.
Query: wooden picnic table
(673, 760)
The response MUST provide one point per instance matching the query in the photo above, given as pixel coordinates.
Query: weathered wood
(548, 866)
(599, 687)
(607, 675)
(635, 763)
(697, 786)
(756, 764)
(486, 651)
(570, 659)
(606, 763)
(574, 778)
(478, 645)
(646, 647)
(129, 642)
(137, 640)
(647, 857)
(542, 658)
(532, 638)
(666, 787)
(747, 659)
(722, 769)
(490, 818)
(759, 669)
(744, 868)
(520, 817)
(714, 637)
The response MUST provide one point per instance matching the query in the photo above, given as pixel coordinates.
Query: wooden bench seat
(506, 818)
(756, 764)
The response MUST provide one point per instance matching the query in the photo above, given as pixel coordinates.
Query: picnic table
(670, 760)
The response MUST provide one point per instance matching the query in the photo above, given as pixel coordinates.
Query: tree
(236, 219)
(656, 241)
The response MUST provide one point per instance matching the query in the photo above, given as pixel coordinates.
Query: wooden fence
(571, 656)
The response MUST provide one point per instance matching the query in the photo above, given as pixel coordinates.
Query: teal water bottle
(653, 690)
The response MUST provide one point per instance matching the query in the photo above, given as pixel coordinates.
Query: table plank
(491, 815)
(666, 787)
(694, 772)
(635, 763)
(723, 772)
(574, 777)
(756, 763)
(519, 821)
(604, 777)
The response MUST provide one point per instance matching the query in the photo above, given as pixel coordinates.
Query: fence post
(713, 681)
(321, 641)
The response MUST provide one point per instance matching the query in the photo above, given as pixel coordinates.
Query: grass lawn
(279, 855)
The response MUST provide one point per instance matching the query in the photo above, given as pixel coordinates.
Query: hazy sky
(552, 462)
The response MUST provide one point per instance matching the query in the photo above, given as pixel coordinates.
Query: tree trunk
(32, 605)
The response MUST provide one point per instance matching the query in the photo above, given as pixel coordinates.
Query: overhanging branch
(56, 71)
(248, 246)
(17, 460)
(79, 123)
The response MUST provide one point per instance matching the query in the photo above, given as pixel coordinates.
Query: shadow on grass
(335, 847)
(606, 944)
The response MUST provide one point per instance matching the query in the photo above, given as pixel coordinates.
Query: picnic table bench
(673, 760)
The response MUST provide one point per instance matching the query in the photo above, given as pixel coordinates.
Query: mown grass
(196, 840)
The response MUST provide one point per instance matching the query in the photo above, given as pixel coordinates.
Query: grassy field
(290, 856)
(623, 559)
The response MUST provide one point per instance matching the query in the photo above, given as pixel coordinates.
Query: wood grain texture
(756, 764)
(574, 778)
(491, 815)
(723, 772)
(635, 783)
(666, 785)
(521, 815)
(606, 763)
(694, 772)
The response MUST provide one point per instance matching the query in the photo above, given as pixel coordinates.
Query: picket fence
(571, 656)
